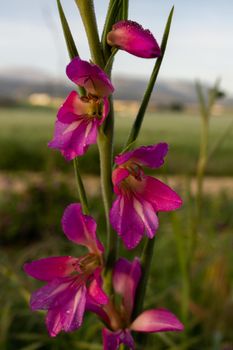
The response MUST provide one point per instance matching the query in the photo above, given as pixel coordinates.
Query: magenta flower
(131, 37)
(126, 276)
(79, 118)
(140, 197)
(73, 284)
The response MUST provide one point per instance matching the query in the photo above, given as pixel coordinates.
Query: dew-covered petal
(69, 315)
(112, 340)
(80, 228)
(161, 196)
(47, 269)
(90, 76)
(95, 289)
(126, 276)
(156, 320)
(131, 37)
(150, 156)
(126, 221)
(72, 108)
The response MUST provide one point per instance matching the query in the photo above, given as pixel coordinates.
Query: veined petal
(147, 214)
(131, 37)
(55, 293)
(126, 276)
(72, 108)
(156, 320)
(74, 139)
(49, 268)
(161, 196)
(149, 156)
(68, 316)
(126, 222)
(90, 76)
(80, 228)
(112, 340)
(95, 289)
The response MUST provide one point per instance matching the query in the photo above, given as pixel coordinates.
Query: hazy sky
(200, 45)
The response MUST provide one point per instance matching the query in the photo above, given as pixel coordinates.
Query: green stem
(146, 259)
(81, 189)
(184, 270)
(108, 66)
(113, 10)
(87, 12)
(125, 9)
(140, 116)
(105, 145)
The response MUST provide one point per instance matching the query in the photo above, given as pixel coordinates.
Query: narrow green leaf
(71, 47)
(115, 7)
(140, 116)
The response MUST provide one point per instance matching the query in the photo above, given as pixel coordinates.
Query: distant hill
(19, 84)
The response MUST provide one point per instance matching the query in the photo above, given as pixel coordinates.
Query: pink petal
(95, 289)
(55, 293)
(161, 196)
(150, 156)
(131, 230)
(147, 214)
(74, 139)
(68, 316)
(118, 175)
(49, 268)
(143, 218)
(80, 228)
(131, 37)
(126, 276)
(156, 320)
(92, 306)
(72, 108)
(112, 340)
(91, 77)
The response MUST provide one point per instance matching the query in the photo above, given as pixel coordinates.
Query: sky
(200, 45)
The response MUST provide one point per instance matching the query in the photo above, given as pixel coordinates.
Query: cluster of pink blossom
(74, 285)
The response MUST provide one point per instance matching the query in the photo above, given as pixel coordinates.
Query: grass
(30, 229)
(24, 135)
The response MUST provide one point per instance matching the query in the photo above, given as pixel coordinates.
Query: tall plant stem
(81, 189)
(146, 259)
(105, 144)
(87, 12)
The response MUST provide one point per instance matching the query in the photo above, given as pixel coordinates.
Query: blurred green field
(24, 135)
(30, 229)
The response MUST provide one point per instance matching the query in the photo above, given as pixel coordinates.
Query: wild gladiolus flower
(131, 37)
(73, 284)
(79, 118)
(140, 197)
(126, 276)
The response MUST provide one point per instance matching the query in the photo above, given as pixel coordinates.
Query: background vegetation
(35, 186)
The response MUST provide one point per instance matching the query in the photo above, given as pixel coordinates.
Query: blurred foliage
(25, 132)
(30, 229)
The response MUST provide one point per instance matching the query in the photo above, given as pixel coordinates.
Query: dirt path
(19, 182)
